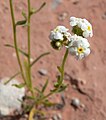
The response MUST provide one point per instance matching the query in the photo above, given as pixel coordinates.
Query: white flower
(83, 24)
(58, 33)
(79, 47)
(61, 29)
(73, 21)
(59, 37)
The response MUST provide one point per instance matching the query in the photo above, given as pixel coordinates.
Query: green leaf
(58, 79)
(56, 84)
(44, 87)
(62, 88)
(22, 22)
(24, 15)
(59, 68)
(47, 103)
(19, 85)
(40, 92)
(37, 90)
(12, 77)
(22, 52)
(39, 57)
(30, 97)
(54, 90)
(33, 11)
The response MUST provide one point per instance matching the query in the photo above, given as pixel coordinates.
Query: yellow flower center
(89, 28)
(80, 50)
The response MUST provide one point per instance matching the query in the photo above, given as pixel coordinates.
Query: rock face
(10, 96)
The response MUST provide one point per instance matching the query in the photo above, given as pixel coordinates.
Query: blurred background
(89, 73)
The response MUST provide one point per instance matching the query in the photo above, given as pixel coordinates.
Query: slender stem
(29, 50)
(63, 64)
(61, 77)
(15, 39)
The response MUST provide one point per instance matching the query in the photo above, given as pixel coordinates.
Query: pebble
(104, 16)
(67, 77)
(82, 106)
(57, 117)
(75, 1)
(63, 16)
(56, 3)
(43, 72)
(10, 96)
(83, 82)
(75, 102)
(14, 54)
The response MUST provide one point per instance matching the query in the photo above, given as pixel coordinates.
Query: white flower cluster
(58, 33)
(79, 47)
(84, 26)
(77, 44)
(59, 36)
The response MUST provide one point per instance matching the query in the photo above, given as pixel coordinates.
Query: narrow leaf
(41, 7)
(47, 103)
(59, 68)
(45, 85)
(12, 77)
(22, 52)
(30, 97)
(22, 22)
(24, 15)
(19, 85)
(37, 90)
(62, 88)
(33, 11)
(39, 57)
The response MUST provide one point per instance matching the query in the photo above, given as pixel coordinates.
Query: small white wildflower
(73, 21)
(58, 33)
(79, 47)
(81, 27)
(59, 37)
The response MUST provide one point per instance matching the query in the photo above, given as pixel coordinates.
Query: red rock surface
(92, 70)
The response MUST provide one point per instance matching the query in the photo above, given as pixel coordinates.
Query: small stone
(104, 16)
(75, 102)
(75, 2)
(67, 77)
(10, 96)
(74, 87)
(14, 54)
(63, 16)
(82, 106)
(57, 117)
(43, 72)
(59, 106)
(83, 82)
(54, 117)
(56, 3)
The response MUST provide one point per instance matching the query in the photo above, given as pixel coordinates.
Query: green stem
(61, 77)
(29, 50)
(63, 64)
(15, 39)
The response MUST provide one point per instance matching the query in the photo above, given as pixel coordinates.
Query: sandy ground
(90, 73)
